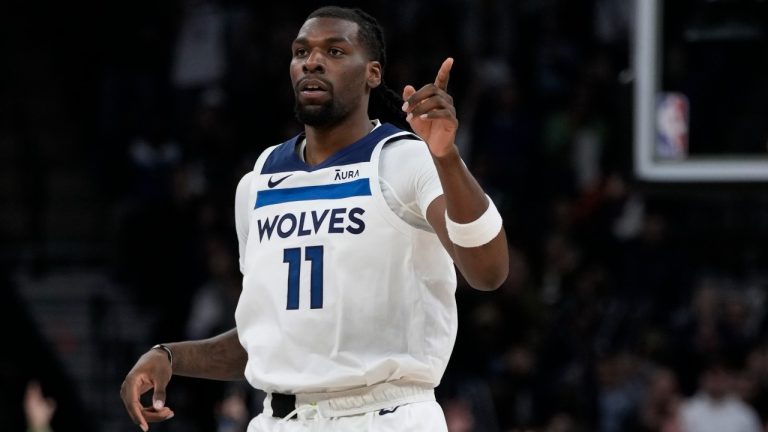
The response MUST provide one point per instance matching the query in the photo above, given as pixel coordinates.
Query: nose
(314, 62)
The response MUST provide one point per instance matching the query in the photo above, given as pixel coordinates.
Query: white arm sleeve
(242, 211)
(409, 180)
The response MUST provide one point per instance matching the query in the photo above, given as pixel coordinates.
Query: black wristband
(167, 351)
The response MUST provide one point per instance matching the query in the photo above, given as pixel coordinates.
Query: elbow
(485, 268)
(490, 280)
(488, 284)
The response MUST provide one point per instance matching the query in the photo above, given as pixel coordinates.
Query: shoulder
(390, 134)
(279, 158)
(243, 195)
(694, 404)
(243, 187)
(406, 146)
(245, 181)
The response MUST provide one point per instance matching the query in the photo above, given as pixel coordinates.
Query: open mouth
(312, 87)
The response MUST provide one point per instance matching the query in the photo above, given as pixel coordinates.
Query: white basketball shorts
(381, 408)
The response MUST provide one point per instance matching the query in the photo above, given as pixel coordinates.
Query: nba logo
(671, 126)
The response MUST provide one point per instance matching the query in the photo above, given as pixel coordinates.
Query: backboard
(701, 90)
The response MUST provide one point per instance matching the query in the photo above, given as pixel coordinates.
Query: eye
(335, 52)
(299, 52)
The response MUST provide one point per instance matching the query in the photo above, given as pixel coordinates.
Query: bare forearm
(485, 267)
(220, 357)
(464, 198)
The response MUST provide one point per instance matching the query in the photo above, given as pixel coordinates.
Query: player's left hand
(431, 113)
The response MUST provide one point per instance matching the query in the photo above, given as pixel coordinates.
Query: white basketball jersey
(338, 291)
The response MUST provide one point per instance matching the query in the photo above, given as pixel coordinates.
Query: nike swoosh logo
(271, 184)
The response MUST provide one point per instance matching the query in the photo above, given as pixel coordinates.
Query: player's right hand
(151, 372)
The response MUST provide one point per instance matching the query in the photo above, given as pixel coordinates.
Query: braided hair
(385, 103)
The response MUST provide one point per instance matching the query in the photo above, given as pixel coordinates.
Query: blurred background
(125, 127)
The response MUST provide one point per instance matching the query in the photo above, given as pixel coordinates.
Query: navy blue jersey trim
(285, 159)
(359, 187)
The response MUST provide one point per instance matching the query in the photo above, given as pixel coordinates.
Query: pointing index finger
(444, 74)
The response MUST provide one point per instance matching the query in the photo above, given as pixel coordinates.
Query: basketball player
(348, 238)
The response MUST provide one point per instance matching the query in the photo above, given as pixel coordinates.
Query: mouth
(312, 87)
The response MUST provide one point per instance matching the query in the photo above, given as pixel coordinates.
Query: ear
(374, 74)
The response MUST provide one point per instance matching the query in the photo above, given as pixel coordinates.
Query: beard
(326, 114)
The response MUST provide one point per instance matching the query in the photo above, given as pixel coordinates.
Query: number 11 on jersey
(313, 254)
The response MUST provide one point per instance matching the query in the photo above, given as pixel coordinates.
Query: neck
(322, 142)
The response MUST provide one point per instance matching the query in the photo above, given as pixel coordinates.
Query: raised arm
(220, 358)
(483, 258)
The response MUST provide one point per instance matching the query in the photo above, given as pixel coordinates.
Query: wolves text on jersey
(334, 221)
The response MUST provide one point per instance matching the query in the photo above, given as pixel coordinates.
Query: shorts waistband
(352, 402)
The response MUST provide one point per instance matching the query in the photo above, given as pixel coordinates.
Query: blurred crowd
(627, 308)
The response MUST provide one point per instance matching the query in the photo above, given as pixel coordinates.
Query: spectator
(715, 407)
(38, 409)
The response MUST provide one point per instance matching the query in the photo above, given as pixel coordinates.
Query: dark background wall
(125, 126)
